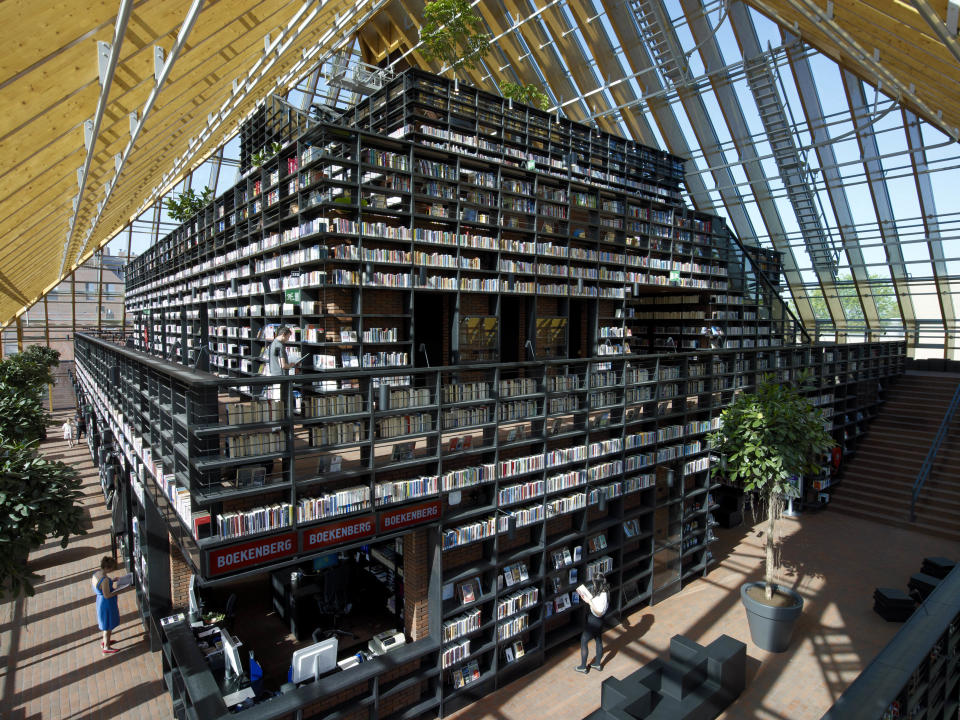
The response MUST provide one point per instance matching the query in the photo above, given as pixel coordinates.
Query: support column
(416, 584)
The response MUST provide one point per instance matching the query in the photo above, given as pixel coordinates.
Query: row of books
(247, 522)
(327, 405)
(404, 425)
(566, 480)
(462, 625)
(465, 392)
(393, 491)
(523, 516)
(337, 433)
(517, 601)
(604, 470)
(517, 410)
(513, 626)
(409, 398)
(339, 502)
(257, 443)
(452, 654)
(465, 417)
(254, 411)
(519, 492)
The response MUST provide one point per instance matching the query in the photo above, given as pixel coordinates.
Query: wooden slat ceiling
(884, 42)
(49, 85)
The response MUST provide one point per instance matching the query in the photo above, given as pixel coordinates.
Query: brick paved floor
(51, 666)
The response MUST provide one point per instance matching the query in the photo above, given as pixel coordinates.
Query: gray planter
(771, 627)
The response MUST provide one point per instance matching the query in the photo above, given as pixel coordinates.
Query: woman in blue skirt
(108, 612)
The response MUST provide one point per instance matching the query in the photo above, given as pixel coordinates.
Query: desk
(202, 693)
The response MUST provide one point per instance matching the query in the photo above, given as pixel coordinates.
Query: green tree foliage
(23, 380)
(527, 94)
(880, 288)
(38, 497)
(188, 203)
(452, 34)
(766, 438)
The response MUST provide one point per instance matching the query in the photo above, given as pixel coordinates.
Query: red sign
(414, 515)
(337, 533)
(235, 557)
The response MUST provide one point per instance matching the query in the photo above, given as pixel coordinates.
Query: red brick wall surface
(416, 584)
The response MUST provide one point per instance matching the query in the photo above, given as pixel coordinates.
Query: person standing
(68, 433)
(81, 426)
(598, 600)
(108, 611)
(277, 363)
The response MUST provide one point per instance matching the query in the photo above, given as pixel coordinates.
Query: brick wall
(468, 554)
(180, 573)
(416, 584)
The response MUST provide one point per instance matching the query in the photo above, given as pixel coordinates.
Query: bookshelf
(543, 265)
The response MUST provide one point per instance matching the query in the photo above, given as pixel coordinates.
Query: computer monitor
(313, 661)
(231, 655)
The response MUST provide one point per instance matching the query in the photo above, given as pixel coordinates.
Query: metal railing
(921, 657)
(927, 466)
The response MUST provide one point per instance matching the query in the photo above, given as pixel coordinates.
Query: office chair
(230, 611)
(334, 601)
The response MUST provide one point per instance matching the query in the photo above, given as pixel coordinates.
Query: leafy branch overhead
(188, 203)
(528, 94)
(452, 34)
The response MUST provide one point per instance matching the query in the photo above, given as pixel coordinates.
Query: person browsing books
(597, 598)
(277, 363)
(108, 611)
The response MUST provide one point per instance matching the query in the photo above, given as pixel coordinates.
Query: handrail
(888, 676)
(762, 276)
(941, 435)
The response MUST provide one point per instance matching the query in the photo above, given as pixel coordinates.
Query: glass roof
(795, 152)
(856, 192)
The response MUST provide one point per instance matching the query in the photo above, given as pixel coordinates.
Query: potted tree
(765, 440)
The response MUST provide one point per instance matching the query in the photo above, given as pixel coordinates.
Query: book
(567, 558)
(123, 581)
(447, 591)
(577, 553)
(467, 593)
(583, 592)
(508, 654)
(518, 649)
(572, 577)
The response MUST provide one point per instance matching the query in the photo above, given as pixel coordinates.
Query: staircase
(877, 482)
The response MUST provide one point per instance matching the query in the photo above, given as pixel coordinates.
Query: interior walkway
(51, 665)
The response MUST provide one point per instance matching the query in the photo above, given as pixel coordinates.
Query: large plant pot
(771, 627)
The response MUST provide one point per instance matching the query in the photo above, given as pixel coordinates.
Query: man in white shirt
(598, 600)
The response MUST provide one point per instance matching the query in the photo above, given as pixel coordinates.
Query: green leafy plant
(452, 34)
(765, 439)
(528, 94)
(188, 203)
(24, 378)
(38, 499)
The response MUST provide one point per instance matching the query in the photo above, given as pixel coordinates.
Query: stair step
(885, 519)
